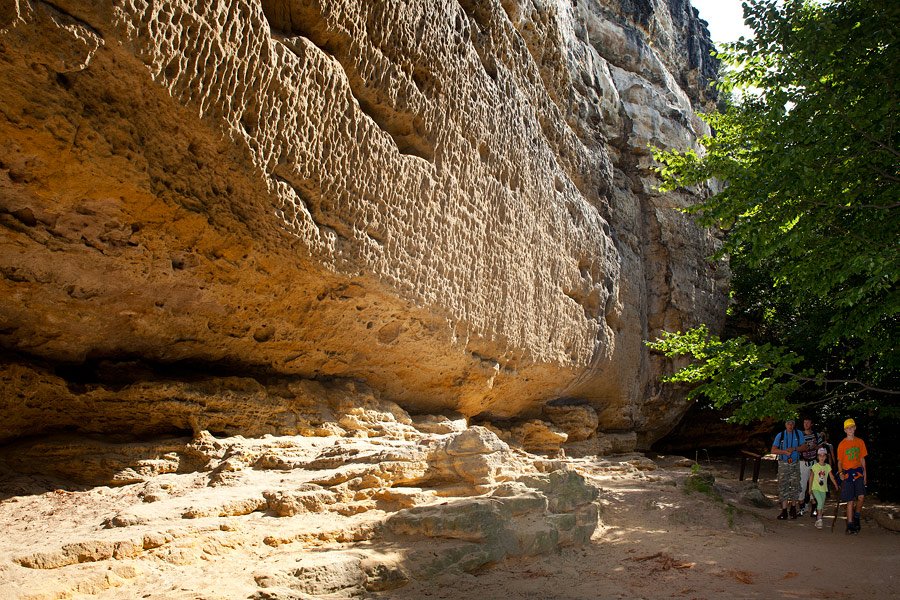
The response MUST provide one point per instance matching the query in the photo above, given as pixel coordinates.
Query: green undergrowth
(702, 482)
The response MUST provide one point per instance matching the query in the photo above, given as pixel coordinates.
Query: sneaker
(850, 530)
(815, 513)
(802, 509)
(818, 523)
(783, 514)
(793, 512)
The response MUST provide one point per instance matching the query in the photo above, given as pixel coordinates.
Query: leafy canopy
(808, 149)
(761, 374)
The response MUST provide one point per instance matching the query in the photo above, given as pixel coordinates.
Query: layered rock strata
(373, 511)
(366, 507)
(449, 201)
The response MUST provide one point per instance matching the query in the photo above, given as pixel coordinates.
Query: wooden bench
(757, 460)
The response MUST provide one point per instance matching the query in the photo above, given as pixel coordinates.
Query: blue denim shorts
(852, 488)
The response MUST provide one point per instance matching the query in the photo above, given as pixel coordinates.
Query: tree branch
(862, 385)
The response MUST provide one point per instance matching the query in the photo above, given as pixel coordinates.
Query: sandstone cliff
(207, 206)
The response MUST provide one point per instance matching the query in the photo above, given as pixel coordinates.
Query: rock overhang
(449, 202)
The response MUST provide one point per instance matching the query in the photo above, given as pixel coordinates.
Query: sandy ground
(658, 542)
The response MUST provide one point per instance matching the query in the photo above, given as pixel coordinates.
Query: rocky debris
(474, 459)
(641, 463)
(206, 213)
(751, 495)
(578, 420)
(604, 444)
(229, 405)
(90, 551)
(622, 467)
(97, 462)
(453, 423)
(463, 500)
(532, 435)
(331, 573)
(337, 574)
(303, 532)
(538, 436)
(281, 594)
(565, 490)
(531, 522)
(309, 498)
(889, 518)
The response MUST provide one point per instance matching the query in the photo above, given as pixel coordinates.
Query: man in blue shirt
(787, 447)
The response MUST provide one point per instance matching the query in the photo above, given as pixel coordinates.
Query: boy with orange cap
(851, 458)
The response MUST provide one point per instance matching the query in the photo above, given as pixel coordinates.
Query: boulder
(538, 436)
(578, 420)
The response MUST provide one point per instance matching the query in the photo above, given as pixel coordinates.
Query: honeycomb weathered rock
(448, 200)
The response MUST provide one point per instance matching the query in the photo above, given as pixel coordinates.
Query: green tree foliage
(762, 375)
(808, 148)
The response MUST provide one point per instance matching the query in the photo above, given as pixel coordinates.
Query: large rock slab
(279, 516)
(448, 200)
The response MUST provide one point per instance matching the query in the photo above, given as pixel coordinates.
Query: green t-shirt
(820, 477)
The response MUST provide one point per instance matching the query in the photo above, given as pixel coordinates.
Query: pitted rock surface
(449, 201)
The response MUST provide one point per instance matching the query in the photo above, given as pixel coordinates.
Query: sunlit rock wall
(450, 201)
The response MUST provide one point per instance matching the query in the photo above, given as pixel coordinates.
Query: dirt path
(656, 540)
(659, 542)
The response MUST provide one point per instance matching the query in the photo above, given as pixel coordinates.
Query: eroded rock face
(449, 201)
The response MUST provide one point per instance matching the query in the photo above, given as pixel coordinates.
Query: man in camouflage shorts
(787, 447)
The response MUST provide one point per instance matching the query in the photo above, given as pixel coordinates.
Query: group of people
(804, 471)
